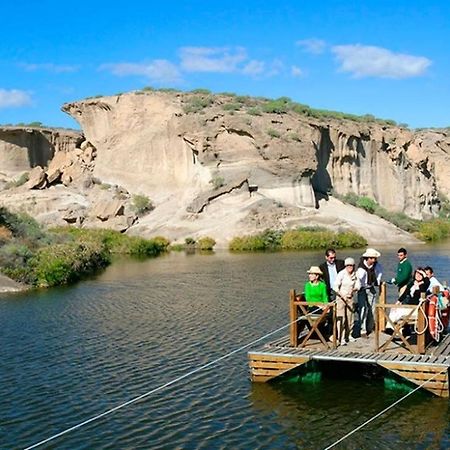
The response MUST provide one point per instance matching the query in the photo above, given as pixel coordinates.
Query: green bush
(206, 243)
(275, 106)
(273, 133)
(399, 219)
(254, 111)
(367, 203)
(141, 204)
(217, 182)
(138, 246)
(14, 261)
(162, 242)
(197, 103)
(24, 227)
(202, 91)
(294, 137)
(64, 263)
(231, 107)
(434, 230)
(247, 244)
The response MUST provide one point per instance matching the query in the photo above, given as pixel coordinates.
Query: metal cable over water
(159, 388)
(382, 412)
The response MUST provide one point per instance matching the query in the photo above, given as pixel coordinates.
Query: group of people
(355, 290)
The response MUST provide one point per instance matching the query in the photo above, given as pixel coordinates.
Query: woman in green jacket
(315, 289)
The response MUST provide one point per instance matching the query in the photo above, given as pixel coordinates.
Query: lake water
(68, 354)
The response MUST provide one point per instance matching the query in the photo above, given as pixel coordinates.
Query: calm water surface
(69, 354)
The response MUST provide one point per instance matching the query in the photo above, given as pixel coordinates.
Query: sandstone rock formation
(213, 170)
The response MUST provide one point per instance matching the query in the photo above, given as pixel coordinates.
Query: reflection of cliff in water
(317, 414)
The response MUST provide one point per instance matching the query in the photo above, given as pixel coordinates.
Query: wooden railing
(382, 319)
(301, 318)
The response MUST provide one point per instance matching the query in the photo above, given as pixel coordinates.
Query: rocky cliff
(221, 166)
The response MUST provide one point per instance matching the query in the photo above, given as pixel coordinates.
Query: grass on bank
(305, 238)
(203, 244)
(430, 230)
(32, 255)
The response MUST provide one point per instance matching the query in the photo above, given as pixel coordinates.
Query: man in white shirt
(369, 274)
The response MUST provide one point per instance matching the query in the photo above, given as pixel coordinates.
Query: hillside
(221, 165)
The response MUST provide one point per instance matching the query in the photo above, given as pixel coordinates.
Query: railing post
(378, 310)
(293, 313)
(382, 301)
(335, 343)
(421, 326)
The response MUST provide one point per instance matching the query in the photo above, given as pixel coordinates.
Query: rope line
(382, 412)
(159, 388)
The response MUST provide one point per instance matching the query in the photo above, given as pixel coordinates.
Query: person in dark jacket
(412, 295)
(404, 271)
(330, 268)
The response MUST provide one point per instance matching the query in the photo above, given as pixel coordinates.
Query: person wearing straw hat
(346, 284)
(315, 289)
(369, 273)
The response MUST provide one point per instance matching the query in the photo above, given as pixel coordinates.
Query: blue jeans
(365, 311)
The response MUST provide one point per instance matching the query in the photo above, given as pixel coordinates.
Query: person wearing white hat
(369, 274)
(345, 285)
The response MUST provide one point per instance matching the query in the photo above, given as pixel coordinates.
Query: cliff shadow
(321, 180)
(39, 149)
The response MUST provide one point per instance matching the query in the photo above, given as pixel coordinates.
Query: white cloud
(296, 71)
(370, 61)
(14, 98)
(158, 70)
(210, 59)
(313, 45)
(254, 67)
(49, 67)
(276, 66)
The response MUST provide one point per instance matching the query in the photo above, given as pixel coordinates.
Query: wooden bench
(300, 317)
(382, 317)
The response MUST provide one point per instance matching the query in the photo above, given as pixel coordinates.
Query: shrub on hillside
(217, 181)
(275, 107)
(255, 111)
(202, 91)
(231, 107)
(24, 227)
(141, 204)
(367, 203)
(197, 103)
(273, 133)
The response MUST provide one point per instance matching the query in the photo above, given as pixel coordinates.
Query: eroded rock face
(221, 173)
(146, 143)
(21, 148)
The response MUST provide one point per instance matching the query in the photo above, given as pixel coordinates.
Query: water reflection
(318, 414)
(71, 353)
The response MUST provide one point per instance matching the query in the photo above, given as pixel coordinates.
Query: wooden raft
(414, 362)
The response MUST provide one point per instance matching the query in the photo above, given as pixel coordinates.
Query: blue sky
(387, 58)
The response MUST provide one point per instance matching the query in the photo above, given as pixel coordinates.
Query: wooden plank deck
(279, 357)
